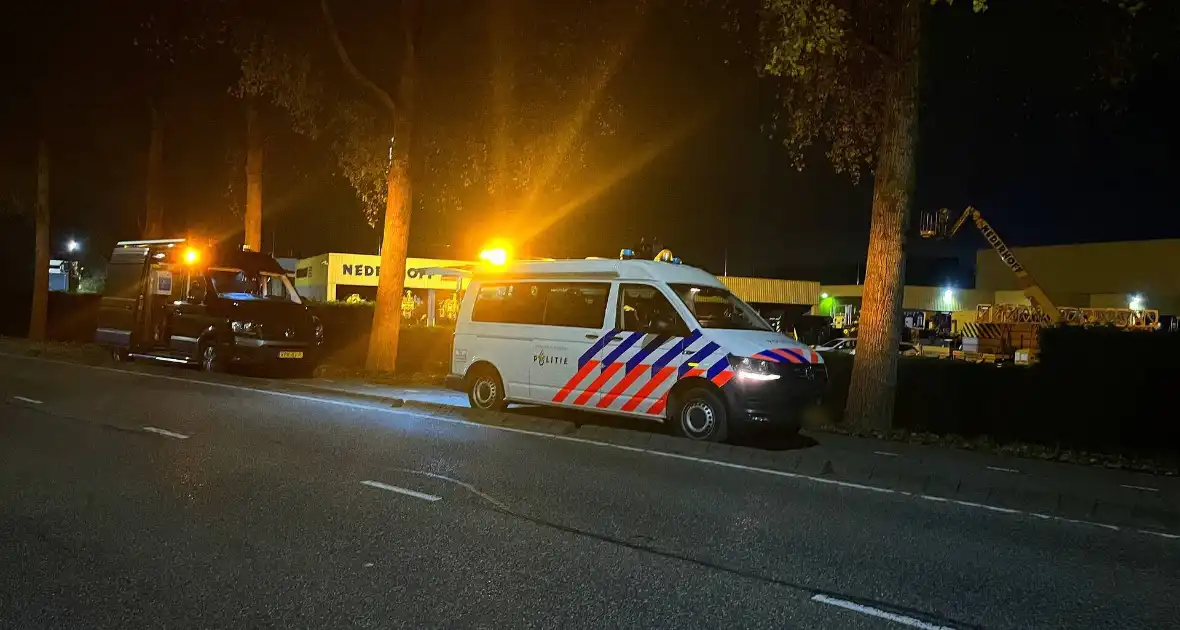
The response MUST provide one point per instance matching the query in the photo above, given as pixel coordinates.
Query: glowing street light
(73, 246)
(191, 255)
(1136, 303)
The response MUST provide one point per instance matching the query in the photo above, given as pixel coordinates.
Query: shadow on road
(765, 439)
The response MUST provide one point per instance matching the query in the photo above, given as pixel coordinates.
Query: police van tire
(485, 389)
(700, 415)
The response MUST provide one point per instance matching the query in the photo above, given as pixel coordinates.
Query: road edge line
(570, 438)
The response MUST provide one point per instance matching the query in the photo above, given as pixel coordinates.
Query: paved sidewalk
(417, 393)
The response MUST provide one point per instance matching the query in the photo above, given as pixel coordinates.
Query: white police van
(630, 337)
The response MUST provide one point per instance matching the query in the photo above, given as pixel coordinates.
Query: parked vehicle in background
(842, 345)
(847, 345)
(173, 301)
(642, 338)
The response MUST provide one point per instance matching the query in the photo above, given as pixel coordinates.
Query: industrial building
(1094, 275)
(1128, 274)
(339, 277)
(1139, 274)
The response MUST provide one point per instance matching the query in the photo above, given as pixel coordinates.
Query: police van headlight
(753, 369)
(244, 328)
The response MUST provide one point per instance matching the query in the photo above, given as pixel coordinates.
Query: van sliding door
(120, 311)
(566, 351)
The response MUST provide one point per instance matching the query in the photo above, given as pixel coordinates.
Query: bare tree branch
(382, 95)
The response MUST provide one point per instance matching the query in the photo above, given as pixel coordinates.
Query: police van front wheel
(485, 389)
(700, 415)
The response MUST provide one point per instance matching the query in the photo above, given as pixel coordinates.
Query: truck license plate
(291, 354)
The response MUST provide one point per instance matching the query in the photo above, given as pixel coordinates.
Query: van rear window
(570, 304)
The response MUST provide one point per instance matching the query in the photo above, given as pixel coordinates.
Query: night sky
(1011, 123)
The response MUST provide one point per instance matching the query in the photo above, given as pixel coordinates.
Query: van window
(240, 284)
(124, 280)
(718, 308)
(580, 305)
(642, 308)
(575, 305)
(514, 303)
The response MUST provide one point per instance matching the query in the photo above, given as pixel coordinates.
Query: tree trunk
(154, 220)
(253, 238)
(399, 206)
(394, 248)
(873, 387)
(40, 308)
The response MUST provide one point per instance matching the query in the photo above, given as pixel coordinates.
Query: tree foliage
(848, 80)
(830, 57)
(510, 93)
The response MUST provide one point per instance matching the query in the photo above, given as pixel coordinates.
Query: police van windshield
(237, 284)
(718, 308)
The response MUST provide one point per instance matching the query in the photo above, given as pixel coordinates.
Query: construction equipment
(1012, 329)
(935, 226)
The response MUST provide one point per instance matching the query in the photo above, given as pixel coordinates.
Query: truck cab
(177, 301)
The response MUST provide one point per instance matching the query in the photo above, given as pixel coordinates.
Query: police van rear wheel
(700, 415)
(485, 389)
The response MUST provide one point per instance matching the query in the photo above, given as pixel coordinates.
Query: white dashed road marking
(885, 453)
(1143, 488)
(165, 432)
(566, 438)
(31, 401)
(400, 490)
(880, 614)
(1007, 470)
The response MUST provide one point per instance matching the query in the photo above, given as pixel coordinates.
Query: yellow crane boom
(936, 227)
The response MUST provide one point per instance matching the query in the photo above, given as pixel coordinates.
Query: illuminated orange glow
(635, 162)
(497, 257)
(558, 146)
(496, 252)
(191, 256)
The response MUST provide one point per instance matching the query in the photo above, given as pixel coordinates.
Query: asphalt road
(133, 500)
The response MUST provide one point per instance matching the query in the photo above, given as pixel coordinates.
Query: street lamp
(73, 246)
